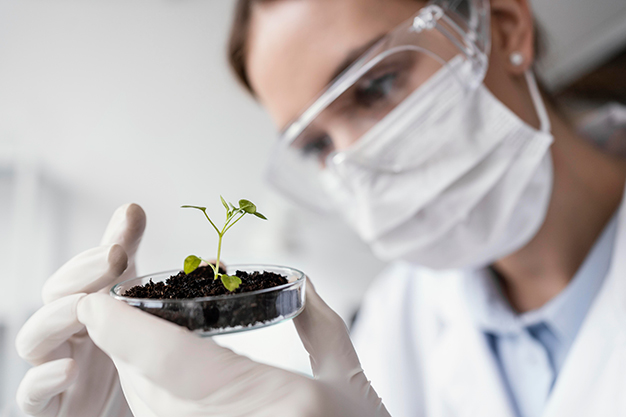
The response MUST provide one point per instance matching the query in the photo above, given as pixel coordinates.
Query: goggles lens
(360, 107)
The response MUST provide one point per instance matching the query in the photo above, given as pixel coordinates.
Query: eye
(317, 147)
(371, 91)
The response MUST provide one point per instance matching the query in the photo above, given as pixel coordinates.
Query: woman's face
(296, 47)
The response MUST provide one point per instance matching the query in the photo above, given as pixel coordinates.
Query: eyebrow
(353, 55)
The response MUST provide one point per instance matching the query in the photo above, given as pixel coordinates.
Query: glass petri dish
(223, 314)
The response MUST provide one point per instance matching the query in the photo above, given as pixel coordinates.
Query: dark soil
(213, 315)
(200, 283)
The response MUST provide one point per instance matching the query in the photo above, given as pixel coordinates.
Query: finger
(326, 338)
(126, 228)
(38, 393)
(87, 272)
(160, 350)
(48, 328)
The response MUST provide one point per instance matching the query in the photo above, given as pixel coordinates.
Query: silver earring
(516, 59)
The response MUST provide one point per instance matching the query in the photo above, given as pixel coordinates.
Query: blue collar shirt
(531, 348)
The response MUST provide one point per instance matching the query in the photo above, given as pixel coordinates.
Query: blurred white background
(108, 102)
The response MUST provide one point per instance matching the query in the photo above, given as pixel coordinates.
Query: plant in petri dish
(233, 215)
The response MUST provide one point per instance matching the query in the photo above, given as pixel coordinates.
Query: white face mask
(478, 187)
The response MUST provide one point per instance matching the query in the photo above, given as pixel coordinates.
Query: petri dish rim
(255, 267)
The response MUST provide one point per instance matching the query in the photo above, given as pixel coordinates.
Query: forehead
(296, 46)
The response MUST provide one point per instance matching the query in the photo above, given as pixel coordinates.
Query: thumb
(161, 351)
(326, 338)
(333, 358)
(126, 228)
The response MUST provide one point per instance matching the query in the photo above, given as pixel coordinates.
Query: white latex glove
(71, 376)
(167, 371)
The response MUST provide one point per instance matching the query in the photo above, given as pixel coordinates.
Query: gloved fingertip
(136, 217)
(118, 259)
(126, 227)
(22, 346)
(313, 299)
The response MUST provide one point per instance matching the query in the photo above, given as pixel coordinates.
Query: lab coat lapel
(464, 374)
(593, 378)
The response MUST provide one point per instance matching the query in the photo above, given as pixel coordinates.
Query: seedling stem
(231, 283)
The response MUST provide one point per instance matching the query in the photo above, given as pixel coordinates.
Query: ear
(512, 32)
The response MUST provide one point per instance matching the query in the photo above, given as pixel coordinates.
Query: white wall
(581, 35)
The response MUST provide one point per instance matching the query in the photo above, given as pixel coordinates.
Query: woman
(432, 137)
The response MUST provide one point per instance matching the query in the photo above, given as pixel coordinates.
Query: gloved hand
(72, 377)
(167, 371)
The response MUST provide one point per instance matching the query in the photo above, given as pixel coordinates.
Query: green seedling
(233, 215)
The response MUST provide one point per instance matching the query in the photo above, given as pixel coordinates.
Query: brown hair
(237, 42)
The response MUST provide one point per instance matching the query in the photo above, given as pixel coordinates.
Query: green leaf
(195, 207)
(259, 215)
(247, 206)
(231, 206)
(191, 264)
(225, 204)
(231, 282)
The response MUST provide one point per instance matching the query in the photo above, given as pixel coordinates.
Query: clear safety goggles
(445, 36)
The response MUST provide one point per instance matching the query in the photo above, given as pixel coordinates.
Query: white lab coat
(425, 357)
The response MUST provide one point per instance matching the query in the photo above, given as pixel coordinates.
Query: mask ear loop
(540, 107)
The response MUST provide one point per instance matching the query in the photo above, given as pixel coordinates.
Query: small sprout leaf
(225, 204)
(195, 207)
(231, 282)
(231, 206)
(191, 263)
(259, 215)
(247, 206)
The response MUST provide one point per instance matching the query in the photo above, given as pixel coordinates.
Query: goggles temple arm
(429, 19)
